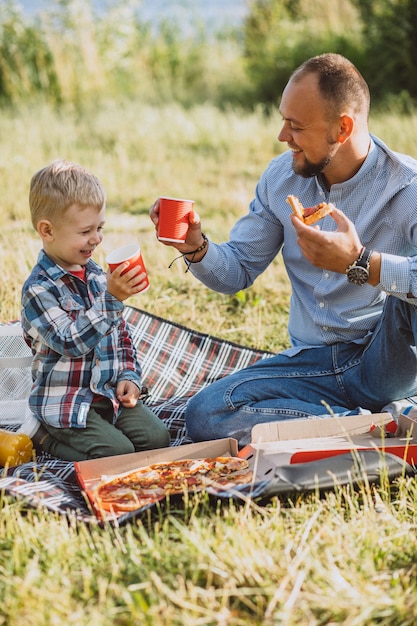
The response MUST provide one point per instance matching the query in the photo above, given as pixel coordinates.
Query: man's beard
(308, 170)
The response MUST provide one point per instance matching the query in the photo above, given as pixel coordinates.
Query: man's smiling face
(307, 128)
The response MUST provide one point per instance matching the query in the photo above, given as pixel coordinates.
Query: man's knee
(198, 418)
(193, 417)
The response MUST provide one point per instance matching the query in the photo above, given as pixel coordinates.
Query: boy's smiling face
(70, 241)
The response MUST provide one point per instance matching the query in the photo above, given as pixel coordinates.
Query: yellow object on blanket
(15, 448)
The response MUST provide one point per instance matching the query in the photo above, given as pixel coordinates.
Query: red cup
(131, 253)
(174, 219)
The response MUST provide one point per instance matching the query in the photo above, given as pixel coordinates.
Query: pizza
(309, 215)
(137, 488)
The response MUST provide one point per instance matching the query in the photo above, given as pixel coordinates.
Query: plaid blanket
(177, 362)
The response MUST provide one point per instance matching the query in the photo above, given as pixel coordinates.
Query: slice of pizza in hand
(309, 215)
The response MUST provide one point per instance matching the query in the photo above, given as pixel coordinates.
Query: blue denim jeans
(347, 377)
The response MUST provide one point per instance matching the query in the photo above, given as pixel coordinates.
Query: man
(353, 346)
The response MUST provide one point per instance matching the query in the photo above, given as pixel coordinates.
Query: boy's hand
(123, 287)
(127, 393)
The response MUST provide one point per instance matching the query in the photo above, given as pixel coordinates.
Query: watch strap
(363, 259)
(366, 257)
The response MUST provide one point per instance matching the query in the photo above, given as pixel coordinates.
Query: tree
(390, 39)
(280, 34)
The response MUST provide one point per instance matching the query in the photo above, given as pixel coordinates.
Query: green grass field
(345, 558)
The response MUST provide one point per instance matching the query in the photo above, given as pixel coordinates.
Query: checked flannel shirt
(80, 342)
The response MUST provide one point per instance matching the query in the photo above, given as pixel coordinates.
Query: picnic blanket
(176, 363)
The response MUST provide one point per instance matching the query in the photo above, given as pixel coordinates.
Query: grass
(346, 557)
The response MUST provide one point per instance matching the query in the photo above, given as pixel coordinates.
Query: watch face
(358, 275)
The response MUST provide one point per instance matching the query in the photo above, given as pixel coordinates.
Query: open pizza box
(90, 473)
(273, 444)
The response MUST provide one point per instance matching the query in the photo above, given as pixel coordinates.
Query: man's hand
(127, 393)
(333, 250)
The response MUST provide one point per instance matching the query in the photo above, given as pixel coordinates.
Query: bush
(280, 34)
(26, 63)
(390, 43)
(75, 55)
(379, 36)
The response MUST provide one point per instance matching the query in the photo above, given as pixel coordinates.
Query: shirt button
(393, 287)
(326, 275)
(321, 305)
(325, 327)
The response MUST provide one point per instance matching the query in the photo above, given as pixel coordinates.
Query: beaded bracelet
(192, 252)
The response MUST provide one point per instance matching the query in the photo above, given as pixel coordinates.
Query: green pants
(136, 429)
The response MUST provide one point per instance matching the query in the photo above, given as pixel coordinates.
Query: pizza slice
(309, 215)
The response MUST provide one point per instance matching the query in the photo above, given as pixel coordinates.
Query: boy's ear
(45, 230)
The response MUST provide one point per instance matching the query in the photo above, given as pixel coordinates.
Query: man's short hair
(339, 81)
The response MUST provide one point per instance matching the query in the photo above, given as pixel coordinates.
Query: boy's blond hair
(56, 187)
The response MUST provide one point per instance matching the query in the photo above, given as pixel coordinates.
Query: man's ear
(45, 230)
(346, 125)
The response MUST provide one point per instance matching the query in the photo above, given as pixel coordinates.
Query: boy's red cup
(131, 253)
(173, 219)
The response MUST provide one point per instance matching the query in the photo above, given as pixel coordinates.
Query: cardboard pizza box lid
(266, 451)
(323, 427)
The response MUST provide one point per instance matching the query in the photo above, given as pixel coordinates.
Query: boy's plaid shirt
(80, 342)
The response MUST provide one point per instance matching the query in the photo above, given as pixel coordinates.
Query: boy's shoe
(39, 437)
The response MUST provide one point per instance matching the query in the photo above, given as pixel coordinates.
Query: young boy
(86, 378)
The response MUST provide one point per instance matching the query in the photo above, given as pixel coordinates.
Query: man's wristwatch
(358, 272)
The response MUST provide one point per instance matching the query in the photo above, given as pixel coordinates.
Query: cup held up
(132, 253)
(174, 219)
